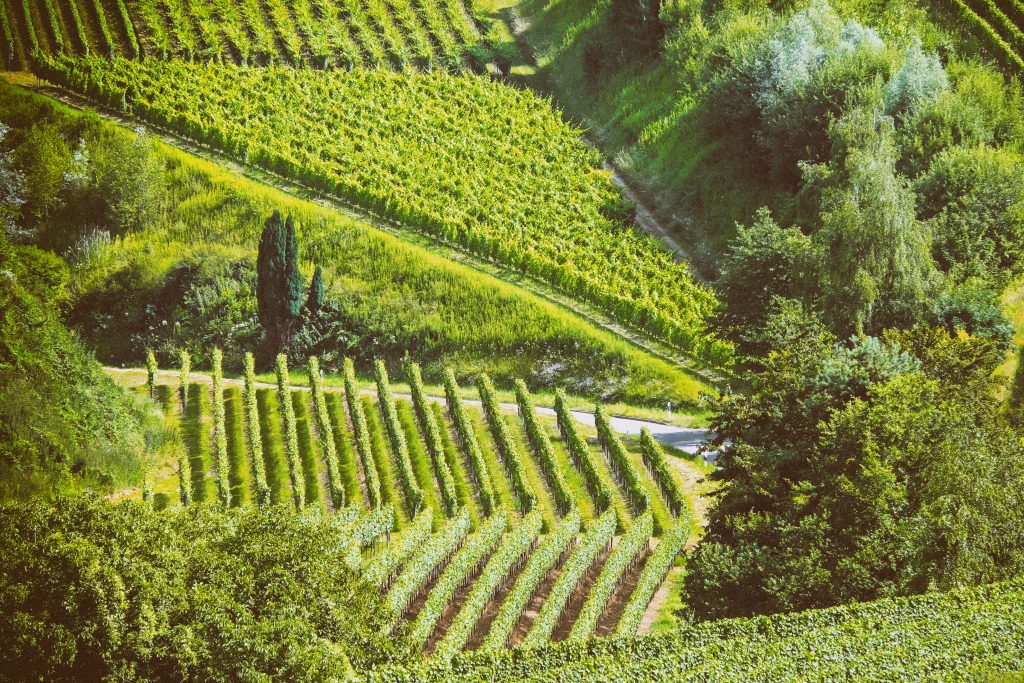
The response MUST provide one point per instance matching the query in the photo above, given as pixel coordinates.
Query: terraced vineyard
(997, 24)
(971, 634)
(473, 162)
(324, 34)
(489, 516)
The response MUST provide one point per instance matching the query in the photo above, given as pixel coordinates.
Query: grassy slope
(238, 456)
(443, 311)
(273, 446)
(344, 441)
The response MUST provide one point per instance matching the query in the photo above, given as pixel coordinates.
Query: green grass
(238, 457)
(309, 451)
(273, 446)
(573, 479)
(669, 616)
(499, 478)
(343, 440)
(534, 475)
(390, 490)
(196, 425)
(421, 465)
(457, 464)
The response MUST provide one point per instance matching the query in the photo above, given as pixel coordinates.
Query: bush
(184, 594)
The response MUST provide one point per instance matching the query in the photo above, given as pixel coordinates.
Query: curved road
(687, 439)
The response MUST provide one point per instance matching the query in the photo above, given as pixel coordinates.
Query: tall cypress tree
(315, 300)
(279, 285)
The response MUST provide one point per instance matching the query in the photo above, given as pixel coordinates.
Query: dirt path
(620, 596)
(573, 608)
(661, 596)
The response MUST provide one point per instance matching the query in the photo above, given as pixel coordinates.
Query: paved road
(684, 438)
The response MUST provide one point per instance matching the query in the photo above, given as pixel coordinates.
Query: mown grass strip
(466, 430)
(239, 476)
(309, 452)
(348, 467)
(195, 431)
(466, 497)
(390, 492)
(419, 459)
(273, 445)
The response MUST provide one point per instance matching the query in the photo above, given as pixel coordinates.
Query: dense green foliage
(861, 470)
(541, 447)
(963, 635)
(563, 221)
(581, 455)
(362, 435)
(381, 570)
(92, 591)
(254, 441)
(291, 434)
(325, 435)
(63, 423)
(279, 283)
(428, 560)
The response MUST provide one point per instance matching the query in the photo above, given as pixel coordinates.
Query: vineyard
(969, 634)
(403, 35)
(467, 516)
(997, 24)
(528, 193)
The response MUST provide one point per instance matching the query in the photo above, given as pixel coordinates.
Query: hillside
(339, 340)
